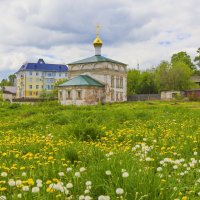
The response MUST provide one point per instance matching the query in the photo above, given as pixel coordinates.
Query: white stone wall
(89, 95)
(103, 72)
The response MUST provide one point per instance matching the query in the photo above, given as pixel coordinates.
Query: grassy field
(133, 151)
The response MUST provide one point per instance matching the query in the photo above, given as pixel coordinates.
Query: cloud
(63, 31)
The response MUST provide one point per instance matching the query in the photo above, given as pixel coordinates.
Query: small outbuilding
(81, 90)
(169, 95)
(9, 93)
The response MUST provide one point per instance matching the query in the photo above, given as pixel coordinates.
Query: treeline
(10, 81)
(173, 75)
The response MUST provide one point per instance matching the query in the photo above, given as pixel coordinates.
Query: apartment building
(34, 78)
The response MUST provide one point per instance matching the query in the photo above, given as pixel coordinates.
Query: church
(94, 80)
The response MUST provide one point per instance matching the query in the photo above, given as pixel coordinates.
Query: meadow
(132, 151)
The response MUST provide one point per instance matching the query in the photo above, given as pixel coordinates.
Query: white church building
(94, 80)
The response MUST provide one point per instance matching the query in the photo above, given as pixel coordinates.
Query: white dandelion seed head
(125, 174)
(119, 191)
(35, 189)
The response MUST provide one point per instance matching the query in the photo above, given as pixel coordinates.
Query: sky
(62, 31)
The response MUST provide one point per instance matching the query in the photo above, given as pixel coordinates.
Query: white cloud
(63, 31)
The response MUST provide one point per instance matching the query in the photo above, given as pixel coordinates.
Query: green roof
(95, 59)
(82, 80)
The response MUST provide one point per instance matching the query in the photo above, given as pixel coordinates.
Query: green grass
(157, 143)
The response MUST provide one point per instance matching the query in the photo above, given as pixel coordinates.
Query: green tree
(4, 82)
(133, 80)
(11, 79)
(162, 76)
(184, 58)
(197, 58)
(147, 83)
(180, 76)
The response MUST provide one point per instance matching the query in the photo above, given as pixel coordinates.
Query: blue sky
(62, 31)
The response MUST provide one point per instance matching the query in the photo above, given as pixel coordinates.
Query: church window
(60, 95)
(79, 94)
(117, 82)
(68, 94)
(112, 81)
(121, 82)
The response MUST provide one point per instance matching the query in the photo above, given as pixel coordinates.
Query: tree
(162, 76)
(197, 58)
(133, 80)
(180, 76)
(148, 83)
(176, 76)
(184, 58)
(8, 82)
(4, 82)
(11, 79)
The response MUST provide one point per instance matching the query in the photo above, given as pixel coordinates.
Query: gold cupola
(97, 41)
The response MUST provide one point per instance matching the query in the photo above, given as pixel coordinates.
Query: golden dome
(97, 41)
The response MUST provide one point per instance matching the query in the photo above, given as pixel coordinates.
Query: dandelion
(159, 169)
(119, 191)
(11, 182)
(102, 197)
(82, 169)
(35, 189)
(77, 174)
(82, 197)
(4, 174)
(23, 173)
(25, 188)
(125, 174)
(87, 191)
(38, 181)
(19, 196)
(88, 183)
(18, 182)
(69, 169)
(175, 167)
(108, 172)
(61, 174)
(69, 185)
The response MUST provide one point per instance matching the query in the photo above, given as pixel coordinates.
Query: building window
(121, 82)
(36, 93)
(65, 74)
(30, 93)
(37, 86)
(79, 94)
(37, 73)
(30, 73)
(60, 74)
(30, 86)
(117, 82)
(68, 94)
(112, 81)
(60, 95)
(49, 74)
